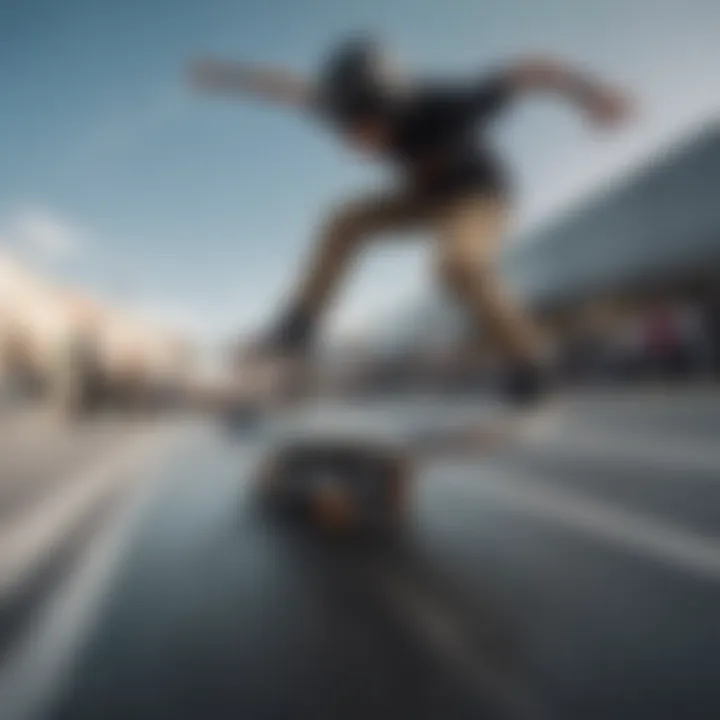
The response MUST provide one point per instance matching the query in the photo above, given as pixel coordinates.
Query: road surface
(574, 576)
(60, 484)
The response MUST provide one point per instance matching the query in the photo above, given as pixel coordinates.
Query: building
(655, 230)
(653, 236)
(70, 349)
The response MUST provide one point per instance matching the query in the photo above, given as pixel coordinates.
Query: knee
(459, 274)
(345, 227)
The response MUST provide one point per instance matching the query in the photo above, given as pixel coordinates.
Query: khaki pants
(469, 233)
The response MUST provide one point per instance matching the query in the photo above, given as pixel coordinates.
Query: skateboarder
(450, 180)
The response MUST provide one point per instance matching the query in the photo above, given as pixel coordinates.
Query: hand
(608, 108)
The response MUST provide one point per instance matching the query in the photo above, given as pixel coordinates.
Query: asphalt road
(576, 575)
(60, 485)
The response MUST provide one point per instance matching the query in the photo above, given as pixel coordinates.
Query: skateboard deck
(358, 475)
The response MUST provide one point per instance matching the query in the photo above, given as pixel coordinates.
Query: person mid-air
(450, 182)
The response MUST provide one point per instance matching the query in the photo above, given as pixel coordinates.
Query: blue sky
(115, 177)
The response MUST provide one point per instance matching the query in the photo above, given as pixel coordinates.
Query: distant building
(66, 346)
(657, 227)
(654, 233)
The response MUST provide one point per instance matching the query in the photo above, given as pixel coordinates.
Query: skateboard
(351, 478)
(340, 487)
(348, 475)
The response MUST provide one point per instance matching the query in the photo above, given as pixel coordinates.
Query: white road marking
(694, 396)
(446, 636)
(592, 444)
(633, 532)
(551, 427)
(25, 541)
(35, 670)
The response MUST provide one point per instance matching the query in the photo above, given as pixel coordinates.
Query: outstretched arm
(271, 84)
(603, 104)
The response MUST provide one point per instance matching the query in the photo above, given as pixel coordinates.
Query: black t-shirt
(437, 138)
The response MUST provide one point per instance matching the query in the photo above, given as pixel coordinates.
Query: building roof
(662, 220)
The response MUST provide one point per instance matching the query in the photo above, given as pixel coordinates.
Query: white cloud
(41, 235)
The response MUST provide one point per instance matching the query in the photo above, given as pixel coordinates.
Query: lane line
(33, 675)
(28, 539)
(590, 444)
(641, 535)
(447, 637)
(553, 428)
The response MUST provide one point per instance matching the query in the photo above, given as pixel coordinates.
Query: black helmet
(356, 81)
